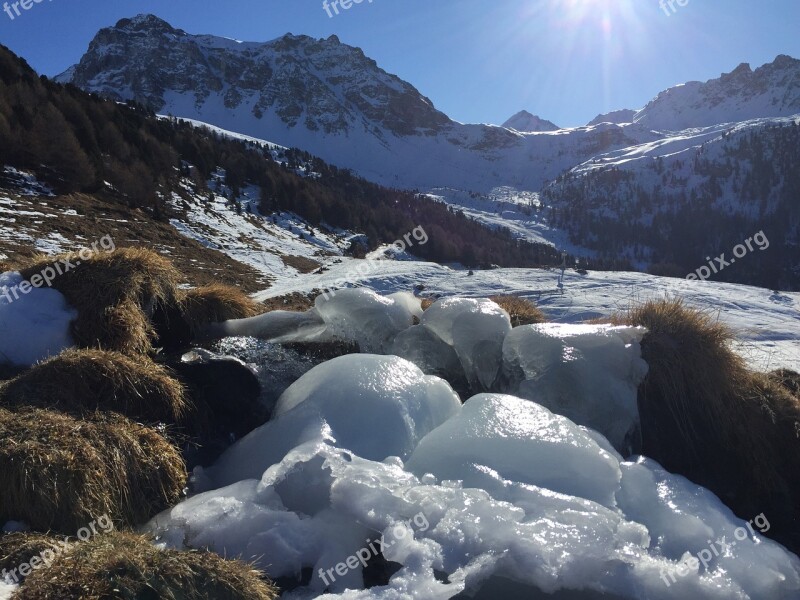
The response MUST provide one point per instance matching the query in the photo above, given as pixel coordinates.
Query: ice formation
(367, 318)
(374, 406)
(503, 499)
(588, 373)
(33, 325)
(475, 329)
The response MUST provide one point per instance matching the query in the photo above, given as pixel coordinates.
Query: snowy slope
(767, 323)
(264, 243)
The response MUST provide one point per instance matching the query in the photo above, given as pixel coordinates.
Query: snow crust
(33, 326)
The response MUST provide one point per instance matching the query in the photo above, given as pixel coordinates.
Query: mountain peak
(526, 122)
(144, 21)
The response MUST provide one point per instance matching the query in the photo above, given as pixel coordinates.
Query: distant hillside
(80, 143)
(672, 205)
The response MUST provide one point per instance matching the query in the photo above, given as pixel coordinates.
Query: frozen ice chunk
(475, 329)
(374, 406)
(411, 303)
(424, 348)
(588, 373)
(365, 317)
(377, 406)
(519, 441)
(249, 457)
(33, 325)
(321, 506)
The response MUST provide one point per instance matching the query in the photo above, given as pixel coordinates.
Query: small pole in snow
(563, 268)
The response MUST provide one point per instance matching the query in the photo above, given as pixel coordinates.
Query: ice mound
(367, 318)
(33, 325)
(588, 373)
(375, 406)
(325, 509)
(475, 329)
(517, 440)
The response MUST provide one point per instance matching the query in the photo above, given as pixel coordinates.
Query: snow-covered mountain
(772, 90)
(331, 100)
(525, 121)
(619, 117)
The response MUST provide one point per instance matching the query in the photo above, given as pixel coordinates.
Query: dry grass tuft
(706, 416)
(59, 473)
(116, 295)
(216, 303)
(81, 382)
(787, 379)
(19, 548)
(521, 311)
(295, 302)
(128, 566)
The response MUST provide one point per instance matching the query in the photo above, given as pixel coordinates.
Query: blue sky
(477, 60)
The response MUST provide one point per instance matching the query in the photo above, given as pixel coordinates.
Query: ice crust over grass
(513, 498)
(588, 373)
(33, 326)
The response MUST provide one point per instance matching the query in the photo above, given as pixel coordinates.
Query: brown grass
(59, 473)
(216, 303)
(19, 548)
(115, 295)
(296, 302)
(521, 311)
(706, 416)
(787, 379)
(81, 382)
(126, 566)
(301, 263)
